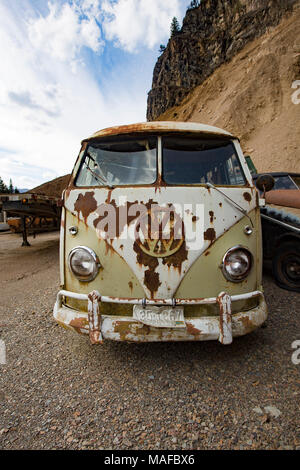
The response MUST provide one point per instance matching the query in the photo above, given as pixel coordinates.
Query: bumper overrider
(124, 328)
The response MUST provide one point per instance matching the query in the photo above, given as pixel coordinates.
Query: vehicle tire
(286, 266)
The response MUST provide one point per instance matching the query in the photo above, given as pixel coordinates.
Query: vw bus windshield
(198, 161)
(120, 162)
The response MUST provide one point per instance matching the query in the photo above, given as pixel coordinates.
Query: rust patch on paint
(207, 253)
(151, 278)
(144, 259)
(70, 186)
(210, 235)
(86, 204)
(113, 218)
(152, 282)
(159, 183)
(79, 323)
(124, 328)
(211, 215)
(192, 330)
(247, 324)
(148, 127)
(120, 216)
(247, 197)
(219, 301)
(108, 199)
(130, 285)
(177, 258)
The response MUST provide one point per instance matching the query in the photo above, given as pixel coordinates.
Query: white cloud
(136, 23)
(47, 105)
(45, 108)
(66, 29)
(132, 24)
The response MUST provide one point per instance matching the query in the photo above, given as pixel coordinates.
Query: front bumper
(121, 328)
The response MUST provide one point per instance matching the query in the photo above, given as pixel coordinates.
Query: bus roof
(163, 127)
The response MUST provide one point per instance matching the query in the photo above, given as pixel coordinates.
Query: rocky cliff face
(255, 96)
(211, 35)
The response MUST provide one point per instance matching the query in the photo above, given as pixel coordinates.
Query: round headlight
(237, 264)
(84, 263)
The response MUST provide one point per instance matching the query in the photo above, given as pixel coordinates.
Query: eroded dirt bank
(252, 97)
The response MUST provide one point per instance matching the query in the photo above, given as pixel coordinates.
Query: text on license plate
(161, 317)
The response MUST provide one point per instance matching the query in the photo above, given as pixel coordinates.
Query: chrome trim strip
(279, 222)
(116, 300)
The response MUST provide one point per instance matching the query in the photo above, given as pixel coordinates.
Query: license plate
(160, 317)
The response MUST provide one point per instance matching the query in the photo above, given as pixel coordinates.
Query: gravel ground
(59, 392)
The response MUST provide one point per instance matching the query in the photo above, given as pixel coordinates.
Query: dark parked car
(281, 228)
(281, 244)
(283, 180)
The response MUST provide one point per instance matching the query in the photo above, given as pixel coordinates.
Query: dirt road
(57, 391)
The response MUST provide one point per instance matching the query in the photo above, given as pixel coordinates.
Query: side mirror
(265, 183)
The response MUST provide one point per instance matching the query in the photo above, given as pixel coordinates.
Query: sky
(68, 69)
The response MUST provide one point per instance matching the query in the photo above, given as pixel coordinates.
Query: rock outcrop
(211, 35)
(255, 96)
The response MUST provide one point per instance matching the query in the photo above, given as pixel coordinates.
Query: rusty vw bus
(161, 237)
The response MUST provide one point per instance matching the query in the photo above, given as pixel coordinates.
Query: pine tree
(3, 187)
(10, 188)
(175, 27)
(162, 48)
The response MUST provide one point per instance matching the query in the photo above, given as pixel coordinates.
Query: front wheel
(286, 266)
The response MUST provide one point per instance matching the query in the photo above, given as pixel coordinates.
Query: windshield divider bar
(159, 157)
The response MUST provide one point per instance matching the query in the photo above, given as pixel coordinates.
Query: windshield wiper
(235, 204)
